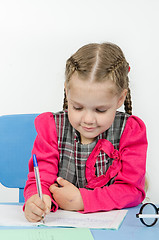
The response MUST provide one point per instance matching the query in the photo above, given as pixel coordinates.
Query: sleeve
(46, 149)
(128, 187)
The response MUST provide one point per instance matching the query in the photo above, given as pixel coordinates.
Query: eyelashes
(96, 110)
(77, 108)
(100, 111)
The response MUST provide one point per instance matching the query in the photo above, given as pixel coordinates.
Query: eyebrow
(75, 102)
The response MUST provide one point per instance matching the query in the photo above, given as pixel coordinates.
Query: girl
(91, 157)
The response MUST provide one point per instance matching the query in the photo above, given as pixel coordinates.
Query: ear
(122, 98)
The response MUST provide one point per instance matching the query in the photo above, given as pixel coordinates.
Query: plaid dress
(74, 155)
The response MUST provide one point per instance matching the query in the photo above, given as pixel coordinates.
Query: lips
(88, 129)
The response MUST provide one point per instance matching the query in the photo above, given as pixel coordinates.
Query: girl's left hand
(67, 196)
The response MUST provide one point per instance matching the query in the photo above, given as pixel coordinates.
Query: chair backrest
(17, 134)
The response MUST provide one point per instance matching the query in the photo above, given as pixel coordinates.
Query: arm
(128, 187)
(46, 149)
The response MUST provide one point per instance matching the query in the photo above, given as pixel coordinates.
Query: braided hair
(102, 62)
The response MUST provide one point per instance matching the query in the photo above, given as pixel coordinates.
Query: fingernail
(58, 178)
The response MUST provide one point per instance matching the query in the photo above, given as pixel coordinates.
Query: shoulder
(134, 131)
(49, 117)
(44, 116)
(129, 121)
(49, 123)
(45, 123)
(44, 119)
(135, 124)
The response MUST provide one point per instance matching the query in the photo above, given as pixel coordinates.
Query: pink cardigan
(129, 167)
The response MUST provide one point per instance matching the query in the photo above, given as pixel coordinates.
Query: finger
(36, 210)
(40, 204)
(53, 187)
(33, 218)
(47, 201)
(47, 211)
(56, 184)
(33, 214)
(62, 181)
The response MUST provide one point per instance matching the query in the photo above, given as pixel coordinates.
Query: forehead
(77, 84)
(91, 93)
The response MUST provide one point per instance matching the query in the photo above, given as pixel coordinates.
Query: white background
(37, 36)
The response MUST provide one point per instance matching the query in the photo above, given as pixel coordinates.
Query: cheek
(106, 120)
(73, 117)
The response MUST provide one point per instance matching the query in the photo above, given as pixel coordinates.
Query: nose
(88, 118)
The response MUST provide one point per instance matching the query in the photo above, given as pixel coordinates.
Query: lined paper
(13, 215)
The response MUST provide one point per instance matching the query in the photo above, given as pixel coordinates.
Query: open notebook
(13, 215)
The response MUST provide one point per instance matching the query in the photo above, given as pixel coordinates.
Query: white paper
(13, 215)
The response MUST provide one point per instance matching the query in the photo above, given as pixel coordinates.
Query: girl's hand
(35, 208)
(67, 196)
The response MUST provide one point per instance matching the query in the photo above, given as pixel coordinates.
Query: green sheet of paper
(46, 234)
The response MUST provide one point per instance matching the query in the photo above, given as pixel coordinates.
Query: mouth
(88, 129)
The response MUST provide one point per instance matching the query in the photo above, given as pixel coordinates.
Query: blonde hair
(101, 62)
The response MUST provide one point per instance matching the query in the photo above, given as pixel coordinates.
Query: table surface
(131, 228)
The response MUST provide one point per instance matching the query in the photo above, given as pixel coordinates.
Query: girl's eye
(77, 108)
(100, 111)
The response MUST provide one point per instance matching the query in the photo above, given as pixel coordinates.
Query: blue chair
(17, 134)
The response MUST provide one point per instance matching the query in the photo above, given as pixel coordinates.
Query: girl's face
(92, 106)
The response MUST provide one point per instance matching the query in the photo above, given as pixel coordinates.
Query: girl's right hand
(35, 208)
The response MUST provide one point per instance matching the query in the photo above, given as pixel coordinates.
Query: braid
(71, 67)
(117, 64)
(75, 65)
(65, 103)
(128, 103)
(118, 72)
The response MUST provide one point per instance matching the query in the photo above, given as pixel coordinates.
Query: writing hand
(67, 196)
(35, 208)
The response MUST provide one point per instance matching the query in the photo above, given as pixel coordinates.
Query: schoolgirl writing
(96, 153)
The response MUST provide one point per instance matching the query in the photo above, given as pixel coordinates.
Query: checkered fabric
(73, 155)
